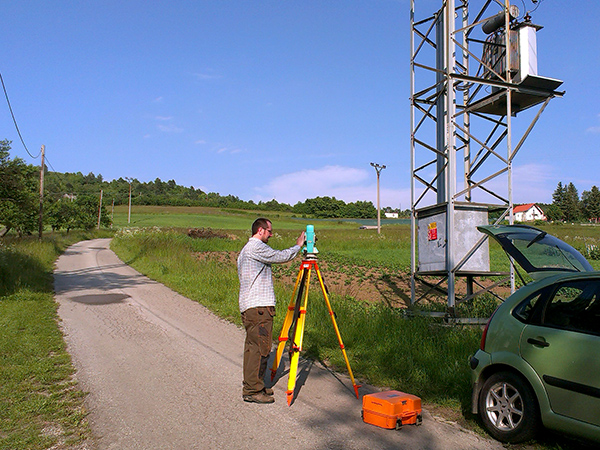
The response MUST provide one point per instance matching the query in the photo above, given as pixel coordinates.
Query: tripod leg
(337, 331)
(296, 345)
(287, 323)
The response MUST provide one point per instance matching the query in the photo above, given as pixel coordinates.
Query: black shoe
(259, 397)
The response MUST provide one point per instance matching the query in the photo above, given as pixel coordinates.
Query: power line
(15, 120)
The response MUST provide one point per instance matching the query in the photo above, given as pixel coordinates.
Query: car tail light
(484, 335)
(485, 330)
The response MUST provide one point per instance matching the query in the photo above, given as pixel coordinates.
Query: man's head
(262, 229)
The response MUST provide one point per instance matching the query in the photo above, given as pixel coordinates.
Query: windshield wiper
(540, 236)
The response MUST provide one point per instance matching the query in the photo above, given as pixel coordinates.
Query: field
(366, 274)
(367, 278)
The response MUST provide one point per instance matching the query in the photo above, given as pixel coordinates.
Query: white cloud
(207, 76)
(344, 183)
(170, 128)
(200, 142)
(166, 126)
(594, 129)
(531, 183)
(230, 150)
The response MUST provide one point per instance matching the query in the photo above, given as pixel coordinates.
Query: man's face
(265, 233)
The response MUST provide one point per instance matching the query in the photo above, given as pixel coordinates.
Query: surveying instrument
(295, 318)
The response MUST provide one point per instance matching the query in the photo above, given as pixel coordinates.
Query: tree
(558, 200)
(590, 204)
(360, 210)
(322, 207)
(571, 207)
(87, 213)
(566, 199)
(553, 213)
(19, 197)
(62, 214)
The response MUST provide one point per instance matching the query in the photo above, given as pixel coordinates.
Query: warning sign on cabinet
(432, 231)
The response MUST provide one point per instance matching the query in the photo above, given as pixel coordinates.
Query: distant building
(391, 215)
(528, 213)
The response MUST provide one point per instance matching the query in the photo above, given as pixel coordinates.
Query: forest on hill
(72, 200)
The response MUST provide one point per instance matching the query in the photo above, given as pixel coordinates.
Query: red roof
(523, 208)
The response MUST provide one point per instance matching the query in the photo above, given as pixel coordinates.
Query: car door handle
(538, 342)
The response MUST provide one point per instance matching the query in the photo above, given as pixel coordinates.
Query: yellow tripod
(293, 325)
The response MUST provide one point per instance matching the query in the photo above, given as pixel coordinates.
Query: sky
(265, 99)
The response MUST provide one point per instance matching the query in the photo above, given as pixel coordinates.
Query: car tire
(508, 408)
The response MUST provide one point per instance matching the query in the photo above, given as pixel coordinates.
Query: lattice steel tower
(473, 69)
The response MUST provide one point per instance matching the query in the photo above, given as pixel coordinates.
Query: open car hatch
(537, 252)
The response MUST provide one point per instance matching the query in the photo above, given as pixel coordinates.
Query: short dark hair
(261, 222)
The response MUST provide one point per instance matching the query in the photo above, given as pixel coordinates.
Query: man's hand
(301, 239)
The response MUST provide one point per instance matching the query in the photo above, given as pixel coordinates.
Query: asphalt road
(162, 372)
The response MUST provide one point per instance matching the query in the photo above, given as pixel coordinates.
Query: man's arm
(268, 255)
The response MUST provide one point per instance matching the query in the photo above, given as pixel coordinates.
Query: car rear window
(525, 311)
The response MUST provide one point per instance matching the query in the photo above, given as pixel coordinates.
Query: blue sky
(265, 99)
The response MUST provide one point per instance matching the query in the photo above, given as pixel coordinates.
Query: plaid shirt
(254, 272)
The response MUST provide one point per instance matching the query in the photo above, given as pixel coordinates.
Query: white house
(528, 213)
(391, 215)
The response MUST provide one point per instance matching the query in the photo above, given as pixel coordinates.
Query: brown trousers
(257, 347)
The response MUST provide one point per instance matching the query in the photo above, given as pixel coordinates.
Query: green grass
(40, 405)
(204, 217)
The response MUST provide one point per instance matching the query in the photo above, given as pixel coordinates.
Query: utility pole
(41, 218)
(129, 180)
(378, 169)
(100, 209)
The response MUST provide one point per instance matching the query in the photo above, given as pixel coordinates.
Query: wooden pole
(41, 217)
(100, 209)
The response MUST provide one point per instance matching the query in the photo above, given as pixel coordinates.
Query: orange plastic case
(391, 409)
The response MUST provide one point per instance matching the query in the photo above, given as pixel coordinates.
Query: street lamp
(378, 169)
(129, 180)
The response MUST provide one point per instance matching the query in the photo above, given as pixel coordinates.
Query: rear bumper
(478, 362)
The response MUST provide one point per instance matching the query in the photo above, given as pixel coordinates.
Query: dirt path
(162, 372)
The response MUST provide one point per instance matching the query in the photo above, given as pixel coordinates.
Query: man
(257, 305)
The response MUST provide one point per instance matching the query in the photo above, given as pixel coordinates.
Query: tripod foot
(356, 386)
(290, 397)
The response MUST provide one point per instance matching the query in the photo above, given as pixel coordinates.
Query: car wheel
(508, 408)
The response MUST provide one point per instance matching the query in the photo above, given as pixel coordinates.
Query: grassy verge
(40, 405)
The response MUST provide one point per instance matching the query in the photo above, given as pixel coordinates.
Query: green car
(539, 360)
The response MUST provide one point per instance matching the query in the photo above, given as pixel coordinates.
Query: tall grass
(40, 405)
(385, 348)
